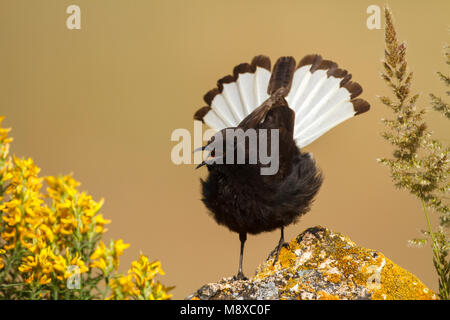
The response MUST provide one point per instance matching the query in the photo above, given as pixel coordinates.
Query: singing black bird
(303, 102)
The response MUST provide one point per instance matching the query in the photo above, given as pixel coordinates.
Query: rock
(322, 264)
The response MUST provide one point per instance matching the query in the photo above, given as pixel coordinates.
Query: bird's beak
(200, 165)
(200, 149)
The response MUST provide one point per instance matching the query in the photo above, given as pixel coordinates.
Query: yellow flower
(45, 279)
(38, 267)
(52, 232)
(76, 261)
(45, 264)
(2, 251)
(60, 266)
(99, 251)
(123, 287)
(7, 235)
(99, 257)
(142, 270)
(4, 133)
(119, 247)
(26, 237)
(11, 212)
(10, 246)
(48, 232)
(99, 223)
(100, 264)
(59, 186)
(107, 258)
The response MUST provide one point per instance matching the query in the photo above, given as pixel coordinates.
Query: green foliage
(420, 163)
(437, 103)
(51, 243)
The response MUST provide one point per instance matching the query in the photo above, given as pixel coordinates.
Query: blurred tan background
(102, 102)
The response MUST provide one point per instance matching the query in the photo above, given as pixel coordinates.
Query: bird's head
(244, 152)
(216, 149)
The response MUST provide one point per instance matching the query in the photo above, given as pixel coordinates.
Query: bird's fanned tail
(321, 94)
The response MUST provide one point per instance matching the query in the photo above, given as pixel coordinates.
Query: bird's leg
(240, 274)
(281, 243)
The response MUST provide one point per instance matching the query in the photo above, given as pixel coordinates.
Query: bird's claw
(281, 245)
(239, 276)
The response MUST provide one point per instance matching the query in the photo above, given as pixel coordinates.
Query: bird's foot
(239, 276)
(277, 255)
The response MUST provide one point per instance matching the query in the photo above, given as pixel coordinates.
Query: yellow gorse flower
(99, 257)
(107, 258)
(119, 247)
(4, 139)
(123, 288)
(2, 251)
(45, 264)
(45, 236)
(38, 267)
(140, 282)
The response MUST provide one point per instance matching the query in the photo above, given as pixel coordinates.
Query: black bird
(302, 102)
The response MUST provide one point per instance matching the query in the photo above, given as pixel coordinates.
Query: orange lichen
(397, 283)
(287, 257)
(322, 264)
(340, 261)
(332, 277)
(322, 295)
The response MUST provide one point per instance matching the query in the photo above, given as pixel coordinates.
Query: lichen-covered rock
(322, 264)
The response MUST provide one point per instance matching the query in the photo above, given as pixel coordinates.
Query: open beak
(210, 156)
(200, 149)
(209, 161)
(200, 165)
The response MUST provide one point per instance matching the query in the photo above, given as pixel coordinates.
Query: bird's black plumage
(238, 196)
(245, 201)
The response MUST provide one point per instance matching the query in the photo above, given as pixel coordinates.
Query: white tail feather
(318, 99)
(312, 87)
(321, 101)
(299, 82)
(324, 123)
(246, 84)
(222, 109)
(262, 77)
(319, 104)
(232, 96)
(213, 120)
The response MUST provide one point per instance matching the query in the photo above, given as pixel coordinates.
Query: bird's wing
(266, 117)
(320, 93)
